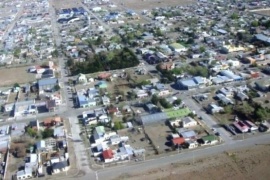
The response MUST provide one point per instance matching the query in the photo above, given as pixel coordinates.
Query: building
(24, 108)
(47, 84)
(213, 108)
(178, 141)
(209, 140)
(176, 47)
(229, 74)
(191, 83)
(241, 126)
(187, 134)
(24, 174)
(99, 133)
(81, 78)
(153, 118)
(188, 122)
(59, 167)
(83, 101)
(108, 156)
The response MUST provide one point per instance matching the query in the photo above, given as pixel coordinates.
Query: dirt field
(263, 12)
(158, 134)
(65, 4)
(9, 76)
(149, 4)
(251, 163)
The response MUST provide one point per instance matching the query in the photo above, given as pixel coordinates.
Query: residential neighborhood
(90, 87)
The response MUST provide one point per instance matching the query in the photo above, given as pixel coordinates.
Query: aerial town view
(134, 89)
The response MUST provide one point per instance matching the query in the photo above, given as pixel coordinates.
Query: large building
(191, 83)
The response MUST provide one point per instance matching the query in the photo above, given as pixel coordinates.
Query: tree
(56, 87)
(47, 133)
(202, 49)
(16, 85)
(154, 99)
(31, 132)
(255, 23)
(234, 16)
(164, 103)
(118, 125)
(177, 101)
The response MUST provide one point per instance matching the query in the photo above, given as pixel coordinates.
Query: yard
(137, 140)
(10, 76)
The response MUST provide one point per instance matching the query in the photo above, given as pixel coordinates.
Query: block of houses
(47, 84)
(188, 122)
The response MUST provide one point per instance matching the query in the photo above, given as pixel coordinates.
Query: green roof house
(209, 140)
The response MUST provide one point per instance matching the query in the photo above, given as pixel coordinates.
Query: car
(214, 130)
(217, 134)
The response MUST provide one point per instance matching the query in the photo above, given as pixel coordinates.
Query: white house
(24, 174)
(105, 100)
(188, 122)
(81, 78)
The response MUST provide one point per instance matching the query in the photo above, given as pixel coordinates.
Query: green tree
(202, 49)
(177, 101)
(17, 52)
(31, 132)
(47, 133)
(255, 23)
(16, 85)
(164, 103)
(234, 16)
(154, 99)
(56, 87)
(118, 125)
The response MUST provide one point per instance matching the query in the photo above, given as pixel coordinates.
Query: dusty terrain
(250, 163)
(9, 76)
(149, 4)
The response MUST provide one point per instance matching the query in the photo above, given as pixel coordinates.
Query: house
(167, 66)
(101, 85)
(187, 134)
(59, 132)
(176, 47)
(84, 102)
(115, 139)
(99, 133)
(241, 126)
(34, 125)
(262, 86)
(241, 96)
(108, 156)
(81, 78)
(47, 84)
(191, 83)
(224, 100)
(151, 108)
(105, 100)
(192, 144)
(59, 167)
(24, 174)
(175, 123)
(46, 145)
(209, 140)
(178, 141)
(51, 105)
(213, 108)
(140, 93)
(188, 122)
(104, 75)
(23, 108)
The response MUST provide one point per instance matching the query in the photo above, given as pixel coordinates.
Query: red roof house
(178, 141)
(107, 155)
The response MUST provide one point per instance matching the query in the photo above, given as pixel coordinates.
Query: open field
(263, 12)
(158, 133)
(248, 163)
(65, 4)
(9, 76)
(149, 4)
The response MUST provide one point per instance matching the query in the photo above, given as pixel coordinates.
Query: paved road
(209, 121)
(111, 173)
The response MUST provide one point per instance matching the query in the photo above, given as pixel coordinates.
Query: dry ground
(149, 4)
(263, 12)
(249, 163)
(9, 76)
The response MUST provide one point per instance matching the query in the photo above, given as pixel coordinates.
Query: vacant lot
(158, 133)
(250, 163)
(9, 76)
(65, 4)
(263, 12)
(149, 4)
